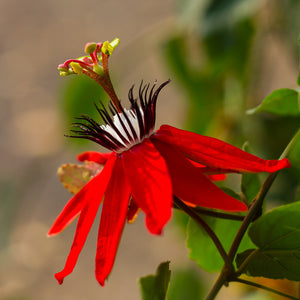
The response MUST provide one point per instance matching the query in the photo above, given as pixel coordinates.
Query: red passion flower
(144, 170)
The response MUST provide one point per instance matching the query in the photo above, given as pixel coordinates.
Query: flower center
(124, 129)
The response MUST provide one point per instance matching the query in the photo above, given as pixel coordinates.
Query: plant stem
(265, 288)
(189, 211)
(216, 214)
(221, 280)
(108, 85)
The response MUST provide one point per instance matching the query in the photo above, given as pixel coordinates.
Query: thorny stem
(255, 207)
(209, 231)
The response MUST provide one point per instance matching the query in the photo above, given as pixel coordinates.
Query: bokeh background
(223, 57)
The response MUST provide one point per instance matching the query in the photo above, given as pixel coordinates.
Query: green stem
(221, 280)
(108, 85)
(265, 288)
(189, 211)
(217, 214)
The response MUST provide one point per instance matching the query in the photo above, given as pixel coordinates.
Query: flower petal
(212, 152)
(97, 157)
(73, 207)
(113, 218)
(92, 199)
(150, 183)
(193, 186)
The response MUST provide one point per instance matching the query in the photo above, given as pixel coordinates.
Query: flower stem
(217, 214)
(265, 288)
(189, 211)
(109, 87)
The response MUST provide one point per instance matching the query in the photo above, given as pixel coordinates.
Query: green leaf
(277, 236)
(155, 287)
(201, 247)
(74, 177)
(281, 102)
(186, 284)
(250, 185)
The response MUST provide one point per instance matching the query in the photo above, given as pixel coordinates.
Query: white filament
(134, 122)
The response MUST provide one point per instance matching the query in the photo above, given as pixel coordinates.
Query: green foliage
(277, 236)
(155, 287)
(250, 186)
(203, 250)
(283, 102)
(185, 284)
(78, 97)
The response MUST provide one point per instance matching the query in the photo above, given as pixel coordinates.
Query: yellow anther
(107, 48)
(76, 68)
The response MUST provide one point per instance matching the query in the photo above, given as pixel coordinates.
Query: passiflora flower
(143, 171)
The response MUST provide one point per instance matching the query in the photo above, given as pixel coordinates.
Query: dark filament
(143, 108)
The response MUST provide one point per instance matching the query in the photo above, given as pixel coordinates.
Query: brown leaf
(74, 176)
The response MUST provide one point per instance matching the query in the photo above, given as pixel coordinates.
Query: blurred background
(223, 58)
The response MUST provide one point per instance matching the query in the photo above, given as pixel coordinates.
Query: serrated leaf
(155, 287)
(74, 177)
(277, 236)
(203, 250)
(282, 102)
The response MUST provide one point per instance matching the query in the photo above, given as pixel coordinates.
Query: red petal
(150, 183)
(212, 152)
(94, 156)
(217, 177)
(92, 200)
(193, 186)
(113, 218)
